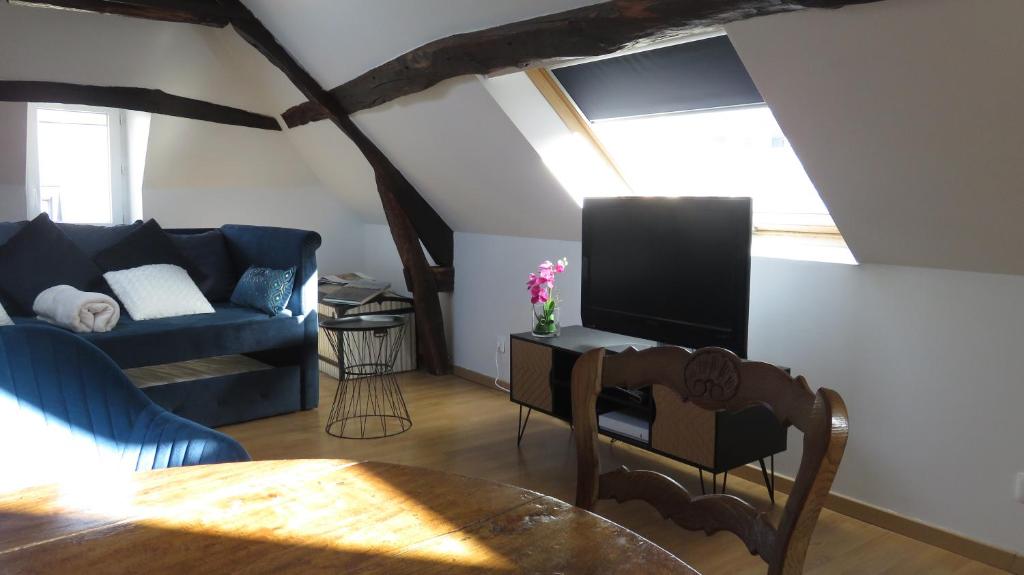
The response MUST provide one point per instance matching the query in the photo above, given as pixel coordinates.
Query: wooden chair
(715, 379)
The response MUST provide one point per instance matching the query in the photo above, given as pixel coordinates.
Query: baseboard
(1018, 566)
(913, 528)
(478, 378)
(884, 518)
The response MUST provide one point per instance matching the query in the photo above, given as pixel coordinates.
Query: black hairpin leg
(522, 423)
(769, 483)
(714, 482)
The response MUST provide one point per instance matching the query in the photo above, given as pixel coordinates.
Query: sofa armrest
(278, 248)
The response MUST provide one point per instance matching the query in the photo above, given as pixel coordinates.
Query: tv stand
(656, 420)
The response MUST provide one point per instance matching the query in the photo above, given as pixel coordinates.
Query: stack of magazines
(350, 289)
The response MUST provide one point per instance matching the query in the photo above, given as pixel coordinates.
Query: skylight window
(728, 152)
(687, 120)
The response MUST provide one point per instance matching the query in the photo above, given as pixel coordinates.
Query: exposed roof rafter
(140, 99)
(409, 216)
(204, 12)
(593, 30)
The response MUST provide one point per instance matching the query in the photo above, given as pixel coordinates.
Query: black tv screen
(672, 270)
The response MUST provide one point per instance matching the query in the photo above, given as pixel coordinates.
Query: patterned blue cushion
(265, 289)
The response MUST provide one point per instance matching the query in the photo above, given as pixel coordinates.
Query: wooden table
(310, 516)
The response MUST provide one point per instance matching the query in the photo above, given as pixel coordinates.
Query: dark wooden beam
(444, 277)
(204, 12)
(593, 30)
(140, 99)
(400, 200)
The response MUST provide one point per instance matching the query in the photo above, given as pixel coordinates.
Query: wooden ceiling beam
(593, 30)
(206, 13)
(140, 99)
(202, 12)
(409, 216)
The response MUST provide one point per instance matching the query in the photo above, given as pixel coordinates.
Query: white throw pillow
(157, 290)
(4, 318)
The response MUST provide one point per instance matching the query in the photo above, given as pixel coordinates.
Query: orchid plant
(543, 297)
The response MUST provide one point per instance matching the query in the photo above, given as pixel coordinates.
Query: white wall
(902, 113)
(196, 173)
(13, 123)
(928, 361)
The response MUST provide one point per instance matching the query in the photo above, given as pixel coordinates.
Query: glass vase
(545, 319)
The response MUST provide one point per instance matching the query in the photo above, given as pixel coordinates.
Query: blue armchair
(63, 402)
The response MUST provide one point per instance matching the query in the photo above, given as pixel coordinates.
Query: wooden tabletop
(309, 516)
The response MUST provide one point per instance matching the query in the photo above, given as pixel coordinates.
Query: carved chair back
(715, 379)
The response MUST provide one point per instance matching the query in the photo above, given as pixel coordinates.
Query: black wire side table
(368, 403)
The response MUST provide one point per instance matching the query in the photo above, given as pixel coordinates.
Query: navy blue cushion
(8, 229)
(148, 244)
(94, 239)
(230, 330)
(207, 252)
(265, 289)
(38, 257)
(73, 407)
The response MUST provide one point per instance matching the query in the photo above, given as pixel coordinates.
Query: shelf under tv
(541, 370)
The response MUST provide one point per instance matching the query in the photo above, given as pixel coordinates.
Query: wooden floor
(463, 427)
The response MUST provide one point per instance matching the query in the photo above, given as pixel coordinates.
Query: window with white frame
(77, 171)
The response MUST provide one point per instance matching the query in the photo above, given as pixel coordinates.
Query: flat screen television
(672, 270)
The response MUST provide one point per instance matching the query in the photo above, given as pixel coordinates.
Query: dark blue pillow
(207, 252)
(38, 257)
(265, 289)
(148, 244)
(94, 239)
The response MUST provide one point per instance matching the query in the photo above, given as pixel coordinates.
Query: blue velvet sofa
(287, 343)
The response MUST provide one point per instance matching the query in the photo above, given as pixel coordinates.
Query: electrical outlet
(501, 344)
(1018, 490)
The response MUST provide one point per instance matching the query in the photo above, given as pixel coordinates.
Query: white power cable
(497, 370)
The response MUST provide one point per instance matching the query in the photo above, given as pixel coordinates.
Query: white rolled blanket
(79, 311)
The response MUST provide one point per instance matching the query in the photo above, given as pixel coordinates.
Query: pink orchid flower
(542, 284)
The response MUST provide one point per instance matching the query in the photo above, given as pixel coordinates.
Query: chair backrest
(66, 407)
(715, 379)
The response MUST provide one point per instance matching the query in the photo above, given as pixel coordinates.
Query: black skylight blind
(693, 76)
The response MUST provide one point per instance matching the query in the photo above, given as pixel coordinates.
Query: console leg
(522, 424)
(769, 483)
(703, 490)
(714, 483)
(724, 479)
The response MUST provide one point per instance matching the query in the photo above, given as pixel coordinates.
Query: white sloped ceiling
(453, 141)
(906, 117)
(902, 112)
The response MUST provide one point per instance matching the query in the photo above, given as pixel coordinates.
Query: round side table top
(363, 322)
(311, 516)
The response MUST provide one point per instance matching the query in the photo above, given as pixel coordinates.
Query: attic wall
(197, 173)
(12, 160)
(926, 360)
(904, 114)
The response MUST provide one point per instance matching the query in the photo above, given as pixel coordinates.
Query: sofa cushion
(265, 289)
(94, 239)
(146, 245)
(8, 229)
(229, 331)
(38, 257)
(157, 291)
(208, 253)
